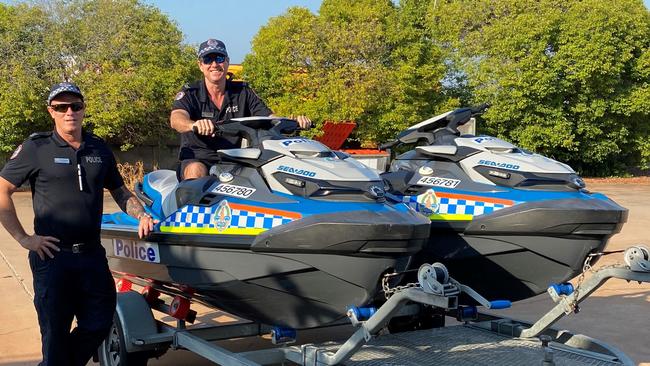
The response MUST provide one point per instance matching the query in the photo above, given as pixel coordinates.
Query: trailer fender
(137, 321)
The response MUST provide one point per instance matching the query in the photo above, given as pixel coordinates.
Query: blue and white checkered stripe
(248, 219)
(456, 206)
(199, 216)
(467, 207)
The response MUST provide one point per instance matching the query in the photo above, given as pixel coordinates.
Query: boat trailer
(137, 336)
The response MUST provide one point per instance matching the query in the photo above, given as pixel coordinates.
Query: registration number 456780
(439, 182)
(233, 190)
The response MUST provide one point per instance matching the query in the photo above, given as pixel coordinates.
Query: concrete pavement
(618, 313)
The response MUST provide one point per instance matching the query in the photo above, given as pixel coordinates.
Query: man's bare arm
(127, 202)
(42, 245)
(181, 122)
(130, 204)
(8, 215)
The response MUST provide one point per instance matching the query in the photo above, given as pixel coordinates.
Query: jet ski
(505, 221)
(285, 233)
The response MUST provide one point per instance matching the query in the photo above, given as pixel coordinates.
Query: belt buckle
(76, 248)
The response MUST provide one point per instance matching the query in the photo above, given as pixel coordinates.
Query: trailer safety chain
(573, 306)
(390, 291)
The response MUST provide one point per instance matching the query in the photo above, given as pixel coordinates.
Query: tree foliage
(569, 79)
(127, 57)
(367, 61)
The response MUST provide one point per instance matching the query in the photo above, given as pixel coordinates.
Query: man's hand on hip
(42, 245)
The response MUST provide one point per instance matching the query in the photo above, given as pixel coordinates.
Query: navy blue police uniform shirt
(61, 209)
(239, 101)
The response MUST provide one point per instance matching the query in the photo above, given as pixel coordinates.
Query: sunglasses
(209, 59)
(63, 107)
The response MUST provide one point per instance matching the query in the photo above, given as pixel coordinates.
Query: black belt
(79, 247)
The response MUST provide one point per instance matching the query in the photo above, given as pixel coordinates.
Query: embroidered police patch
(16, 152)
(180, 95)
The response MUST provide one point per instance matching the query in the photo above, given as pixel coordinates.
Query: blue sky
(234, 22)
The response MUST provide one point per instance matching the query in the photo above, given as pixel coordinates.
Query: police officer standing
(215, 97)
(67, 169)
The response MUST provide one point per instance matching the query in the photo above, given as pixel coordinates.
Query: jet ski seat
(159, 186)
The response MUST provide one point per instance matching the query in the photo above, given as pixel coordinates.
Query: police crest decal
(428, 202)
(222, 216)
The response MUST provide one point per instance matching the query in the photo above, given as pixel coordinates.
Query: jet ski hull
(516, 252)
(295, 275)
(504, 220)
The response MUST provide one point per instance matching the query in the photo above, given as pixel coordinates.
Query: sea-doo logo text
(295, 171)
(140, 251)
(94, 159)
(295, 141)
(499, 165)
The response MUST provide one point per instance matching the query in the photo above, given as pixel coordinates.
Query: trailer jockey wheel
(112, 351)
(179, 308)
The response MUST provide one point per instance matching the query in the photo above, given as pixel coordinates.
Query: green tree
(568, 79)
(22, 101)
(127, 57)
(366, 61)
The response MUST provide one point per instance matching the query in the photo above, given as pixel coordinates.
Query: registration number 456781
(439, 182)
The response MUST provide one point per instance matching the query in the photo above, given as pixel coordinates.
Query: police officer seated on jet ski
(216, 97)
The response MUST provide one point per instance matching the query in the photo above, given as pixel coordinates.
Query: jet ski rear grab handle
(435, 288)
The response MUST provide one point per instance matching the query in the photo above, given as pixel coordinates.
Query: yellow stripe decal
(212, 230)
(451, 217)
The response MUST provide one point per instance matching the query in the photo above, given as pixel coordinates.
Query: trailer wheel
(112, 351)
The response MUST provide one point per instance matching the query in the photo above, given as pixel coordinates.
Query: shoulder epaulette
(239, 83)
(90, 134)
(40, 135)
(190, 86)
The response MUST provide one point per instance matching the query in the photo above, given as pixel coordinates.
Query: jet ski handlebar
(255, 130)
(436, 127)
(388, 145)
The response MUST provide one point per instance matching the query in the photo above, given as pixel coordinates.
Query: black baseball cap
(61, 88)
(212, 46)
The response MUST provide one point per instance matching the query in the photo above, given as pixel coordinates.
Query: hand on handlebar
(303, 121)
(204, 127)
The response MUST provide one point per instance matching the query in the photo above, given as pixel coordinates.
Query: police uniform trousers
(72, 285)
